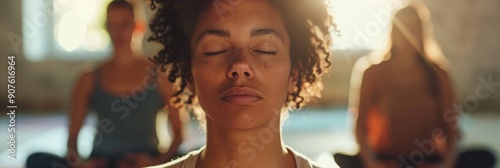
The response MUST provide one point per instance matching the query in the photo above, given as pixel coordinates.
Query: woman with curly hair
(242, 64)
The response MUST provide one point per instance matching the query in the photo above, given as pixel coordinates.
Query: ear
(293, 79)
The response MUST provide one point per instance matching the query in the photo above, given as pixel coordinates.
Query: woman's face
(241, 64)
(120, 25)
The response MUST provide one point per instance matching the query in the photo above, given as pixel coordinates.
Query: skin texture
(119, 75)
(397, 107)
(246, 50)
(241, 53)
(245, 64)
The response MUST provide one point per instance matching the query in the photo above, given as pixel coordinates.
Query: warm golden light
(363, 24)
(71, 31)
(80, 26)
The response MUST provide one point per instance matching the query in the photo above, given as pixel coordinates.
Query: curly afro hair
(307, 22)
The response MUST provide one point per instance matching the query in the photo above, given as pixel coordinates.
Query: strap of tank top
(97, 78)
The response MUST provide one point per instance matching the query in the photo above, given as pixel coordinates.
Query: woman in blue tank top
(126, 94)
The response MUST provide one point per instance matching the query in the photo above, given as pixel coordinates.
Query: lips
(240, 96)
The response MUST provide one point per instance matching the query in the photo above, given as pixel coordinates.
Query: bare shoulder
(148, 65)
(86, 80)
(374, 71)
(146, 61)
(442, 72)
(87, 76)
(444, 77)
(83, 85)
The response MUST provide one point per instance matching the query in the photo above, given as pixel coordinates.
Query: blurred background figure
(126, 93)
(404, 101)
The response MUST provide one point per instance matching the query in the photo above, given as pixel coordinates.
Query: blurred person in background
(404, 103)
(127, 93)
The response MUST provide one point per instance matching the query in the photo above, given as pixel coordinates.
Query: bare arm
(355, 84)
(450, 119)
(367, 92)
(174, 118)
(78, 111)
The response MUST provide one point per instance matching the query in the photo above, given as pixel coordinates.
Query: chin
(242, 119)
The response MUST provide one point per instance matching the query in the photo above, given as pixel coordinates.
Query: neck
(404, 55)
(259, 147)
(123, 55)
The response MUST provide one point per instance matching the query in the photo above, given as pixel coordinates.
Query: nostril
(247, 74)
(234, 74)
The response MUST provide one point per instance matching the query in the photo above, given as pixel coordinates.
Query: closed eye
(215, 53)
(266, 52)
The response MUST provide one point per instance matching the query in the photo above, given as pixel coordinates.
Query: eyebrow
(214, 32)
(266, 31)
(253, 33)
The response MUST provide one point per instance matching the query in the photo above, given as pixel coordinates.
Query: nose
(241, 68)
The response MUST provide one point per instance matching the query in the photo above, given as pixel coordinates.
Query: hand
(74, 160)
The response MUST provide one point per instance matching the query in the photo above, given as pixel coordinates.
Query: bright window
(363, 24)
(65, 29)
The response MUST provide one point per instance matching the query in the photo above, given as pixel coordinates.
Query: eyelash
(215, 53)
(266, 52)
(258, 51)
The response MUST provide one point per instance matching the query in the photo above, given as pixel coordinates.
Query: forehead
(222, 14)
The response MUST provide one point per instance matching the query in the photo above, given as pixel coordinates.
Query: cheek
(201, 84)
(282, 72)
(277, 76)
(206, 69)
(206, 75)
(207, 78)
